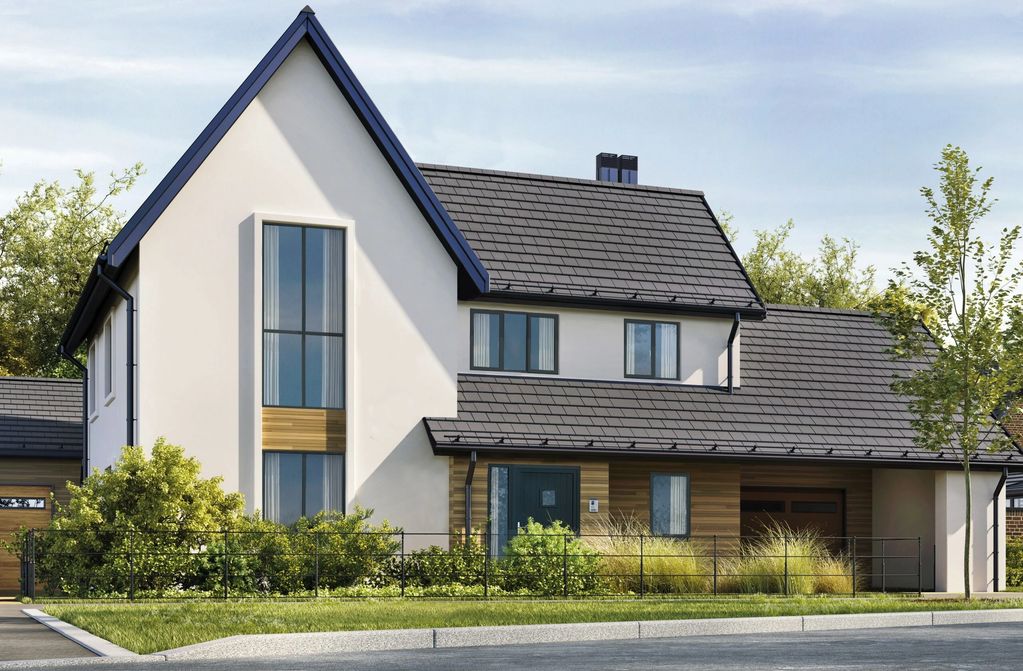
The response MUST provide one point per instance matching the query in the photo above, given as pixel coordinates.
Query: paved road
(981, 647)
(21, 637)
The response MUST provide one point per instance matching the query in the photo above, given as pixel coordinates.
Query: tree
(832, 279)
(972, 290)
(48, 243)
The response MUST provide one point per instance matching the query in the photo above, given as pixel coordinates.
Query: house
(40, 452)
(326, 324)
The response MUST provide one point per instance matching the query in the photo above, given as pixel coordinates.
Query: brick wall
(1014, 522)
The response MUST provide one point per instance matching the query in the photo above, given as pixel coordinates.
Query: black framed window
(651, 349)
(301, 484)
(303, 316)
(514, 341)
(669, 504)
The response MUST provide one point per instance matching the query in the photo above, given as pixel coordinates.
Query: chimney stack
(622, 169)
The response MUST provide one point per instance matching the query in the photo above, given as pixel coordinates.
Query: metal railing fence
(228, 564)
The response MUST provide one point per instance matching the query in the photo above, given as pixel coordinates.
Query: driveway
(21, 637)
(980, 646)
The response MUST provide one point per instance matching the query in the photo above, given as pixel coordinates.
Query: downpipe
(731, 348)
(129, 346)
(468, 493)
(85, 408)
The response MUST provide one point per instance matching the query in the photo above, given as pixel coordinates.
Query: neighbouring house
(325, 324)
(40, 452)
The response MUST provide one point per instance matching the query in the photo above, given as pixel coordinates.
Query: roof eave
(754, 311)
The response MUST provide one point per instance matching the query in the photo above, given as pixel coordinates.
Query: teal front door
(544, 493)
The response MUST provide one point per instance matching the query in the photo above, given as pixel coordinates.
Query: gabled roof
(40, 417)
(557, 239)
(815, 386)
(473, 278)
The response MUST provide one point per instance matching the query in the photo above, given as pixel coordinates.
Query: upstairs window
(303, 316)
(514, 341)
(91, 368)
(108, 360)
(651, 349)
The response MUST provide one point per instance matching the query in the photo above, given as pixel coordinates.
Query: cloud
(401, 66)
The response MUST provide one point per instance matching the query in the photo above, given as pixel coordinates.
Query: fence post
(642, 577)
(786, 569)
(715, 565)
(564, 565)
(884, 570)
(225, 566)
(919, 570)
(403, 563)
(316, 564)
(29, 559)
(854, 565)
(131, 564)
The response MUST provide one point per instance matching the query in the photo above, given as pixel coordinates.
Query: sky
(828, 112)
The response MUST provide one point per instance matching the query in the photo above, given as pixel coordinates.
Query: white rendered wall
(903, 507)
(950, 530)
(299, 154)
(591, 343)
(107, 427)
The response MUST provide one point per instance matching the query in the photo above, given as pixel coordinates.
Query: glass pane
(282, 277)
(498, 509)
(667, 351)
(486, 338)
(541, 343)
(324, 280)
(282, 369)
(638, 349)
(282, 483)
(669, 502)
(313, 484)
(324, 372)
(324, 482)
(334, 482)
(514, 341)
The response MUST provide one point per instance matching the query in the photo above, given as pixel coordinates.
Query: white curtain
(272, 486)
(679, 498)
(271, 314)
(545, 343)
(332, 379)
(630, 348)
(667, 351)
(481, 354)
(333, 482)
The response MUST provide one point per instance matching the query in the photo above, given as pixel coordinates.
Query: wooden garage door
(20, 505)
(822, 510)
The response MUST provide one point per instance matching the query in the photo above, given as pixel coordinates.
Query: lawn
(151, 627)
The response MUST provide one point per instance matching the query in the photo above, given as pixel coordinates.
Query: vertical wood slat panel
(304, 429)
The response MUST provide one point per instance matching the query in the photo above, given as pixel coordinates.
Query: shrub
(1014, 561)
(670, 565)
(260, 560)
(785, 560)
(549, 560)
(462, 564)
(349, 548)
(146, 516)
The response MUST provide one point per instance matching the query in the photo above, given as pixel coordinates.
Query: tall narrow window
(669, 504)
(651, 349)
(514, 341)
(301, 484)
(303, 316)
(498, 506)
(108, 359)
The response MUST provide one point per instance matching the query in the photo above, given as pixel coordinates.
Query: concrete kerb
(264, 645)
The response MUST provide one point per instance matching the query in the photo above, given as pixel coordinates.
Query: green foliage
(831, 279)
(1014, 561)
(462, 564)
(543, 559)
(972, 289)
(350, 549)
(48, 243)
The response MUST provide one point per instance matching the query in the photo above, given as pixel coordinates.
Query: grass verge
(151, 627)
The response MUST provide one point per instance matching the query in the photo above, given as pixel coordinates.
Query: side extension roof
(473, 278)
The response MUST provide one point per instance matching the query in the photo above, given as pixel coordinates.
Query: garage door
(20, 505)
(822, 510)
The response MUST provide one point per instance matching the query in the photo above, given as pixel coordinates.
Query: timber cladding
(593, 484)
(304, 429)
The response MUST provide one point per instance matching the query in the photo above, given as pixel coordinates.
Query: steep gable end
(472, 277)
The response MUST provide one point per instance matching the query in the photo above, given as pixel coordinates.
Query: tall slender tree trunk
(969, 526)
